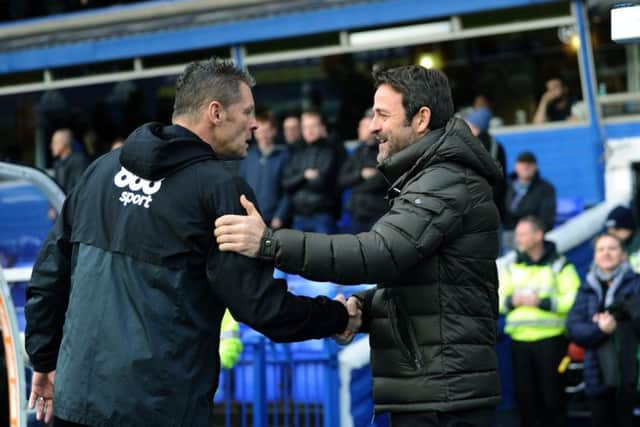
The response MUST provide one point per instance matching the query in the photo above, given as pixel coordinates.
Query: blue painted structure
(336, 18)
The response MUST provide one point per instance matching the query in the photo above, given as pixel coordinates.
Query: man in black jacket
(432, 318)
(310, 177)
(528, 194)
(128, 292)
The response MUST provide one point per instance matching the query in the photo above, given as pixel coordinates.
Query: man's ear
(421, 120)
(215, 112)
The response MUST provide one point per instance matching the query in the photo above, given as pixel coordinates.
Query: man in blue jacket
(128, 292)
(263, 169)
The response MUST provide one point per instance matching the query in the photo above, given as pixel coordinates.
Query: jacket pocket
(402, 330)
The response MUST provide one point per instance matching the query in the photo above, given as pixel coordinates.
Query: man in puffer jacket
(432, 317)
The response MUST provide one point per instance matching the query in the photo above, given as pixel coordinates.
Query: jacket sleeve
(284, 204)
(293, 176)
(349, 172)
(48, 292)
(582, 330)
(326, 164)
(247, 287)
(505, 290)
(567, 284)
(547, 207)
(412, 230)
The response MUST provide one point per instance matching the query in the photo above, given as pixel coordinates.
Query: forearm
(541, 113)
(246, 286)
(342, 258)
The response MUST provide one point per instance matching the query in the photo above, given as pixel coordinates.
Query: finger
(231, 247)
(49, 414)
(32, 400)
(248, 206)
(39, 408)
(231, 238)
(340, 298)
(230, 220)
(234, 229)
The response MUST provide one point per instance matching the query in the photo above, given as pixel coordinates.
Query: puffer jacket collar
(453, 143)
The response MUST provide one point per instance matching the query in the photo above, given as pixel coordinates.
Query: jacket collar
(452, 143)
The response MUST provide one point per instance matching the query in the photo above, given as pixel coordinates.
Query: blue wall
(568, 157)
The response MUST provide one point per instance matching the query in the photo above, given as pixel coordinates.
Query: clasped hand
(355, 319)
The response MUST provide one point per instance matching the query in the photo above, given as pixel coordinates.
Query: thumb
(248, 206)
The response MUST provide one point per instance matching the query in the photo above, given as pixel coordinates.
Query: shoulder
(439, 176)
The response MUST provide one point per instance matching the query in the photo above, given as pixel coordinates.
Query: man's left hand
(240, 233)
(41, 397)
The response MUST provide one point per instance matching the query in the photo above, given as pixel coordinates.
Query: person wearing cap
(478, 120)
(528, 194)
(621, 224)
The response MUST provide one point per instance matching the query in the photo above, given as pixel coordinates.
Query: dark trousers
(482, 417)
(539, 388)
(614, 409)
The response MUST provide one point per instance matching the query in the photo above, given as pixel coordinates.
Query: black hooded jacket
(432, 318)
(129, 289)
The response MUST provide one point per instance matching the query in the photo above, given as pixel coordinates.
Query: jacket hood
(154, 151)
(453, 143)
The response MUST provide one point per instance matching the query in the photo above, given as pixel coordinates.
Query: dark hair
(420, 87)
(536, 223)
(562, 79)
(204, 81)
(314, 112)
(267, 116)
(603, 235)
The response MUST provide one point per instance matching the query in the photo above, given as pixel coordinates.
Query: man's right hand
(240, 233)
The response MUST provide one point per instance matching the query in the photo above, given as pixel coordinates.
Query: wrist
(267, 245)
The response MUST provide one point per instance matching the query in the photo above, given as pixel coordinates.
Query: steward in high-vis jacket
(537, 291)
(129, 289)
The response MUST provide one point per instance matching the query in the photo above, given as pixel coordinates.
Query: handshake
(354, 308)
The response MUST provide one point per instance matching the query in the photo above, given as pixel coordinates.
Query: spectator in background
(555, 103)
(603, 320)
(291, 131)
(527, 194)
(367, 202)
(478, 120)
(69, 164)
(620, 223)
(230, 343)
(310, 177)
(263, 169)
(537, 291)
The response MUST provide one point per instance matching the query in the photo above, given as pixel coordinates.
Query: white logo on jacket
(124, 178)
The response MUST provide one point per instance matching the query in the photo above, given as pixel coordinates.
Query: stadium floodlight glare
(398, 34)
(625, 23)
